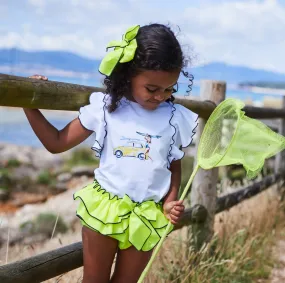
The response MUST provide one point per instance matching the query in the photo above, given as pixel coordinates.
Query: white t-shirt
(136, 146)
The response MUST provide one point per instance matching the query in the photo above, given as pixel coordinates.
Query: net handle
(169, 226)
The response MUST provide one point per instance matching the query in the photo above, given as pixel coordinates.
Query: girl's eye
(169, 90)
(151, 90)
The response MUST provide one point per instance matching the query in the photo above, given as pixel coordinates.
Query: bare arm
(172, 207)
(175, 168)
(53, 140)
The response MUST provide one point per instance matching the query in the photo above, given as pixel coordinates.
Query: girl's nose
(160, 97)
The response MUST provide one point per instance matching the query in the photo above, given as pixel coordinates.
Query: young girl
(128, 206)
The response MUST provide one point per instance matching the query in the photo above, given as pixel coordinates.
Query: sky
(247, 33)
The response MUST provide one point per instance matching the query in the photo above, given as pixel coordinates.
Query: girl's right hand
(54, 140)
(173, 210)
(39, 77)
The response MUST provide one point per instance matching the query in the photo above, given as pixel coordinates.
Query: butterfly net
(230, 137)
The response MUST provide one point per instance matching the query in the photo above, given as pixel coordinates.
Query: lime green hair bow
(124, 51)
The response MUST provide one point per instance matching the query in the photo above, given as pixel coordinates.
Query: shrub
(13, 163)
(44, 224)
(45, 178)
(5, 179)
(82, 156)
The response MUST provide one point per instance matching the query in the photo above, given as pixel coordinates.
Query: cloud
(68, 42)
(39, 5)
(247, 33)
(93, 4)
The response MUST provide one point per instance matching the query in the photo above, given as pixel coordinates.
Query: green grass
(45, 177)
(81, 156)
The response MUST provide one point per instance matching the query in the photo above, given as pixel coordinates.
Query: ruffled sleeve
(92, 117)
(185, 123)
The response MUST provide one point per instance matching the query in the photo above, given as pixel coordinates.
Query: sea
(15, 129)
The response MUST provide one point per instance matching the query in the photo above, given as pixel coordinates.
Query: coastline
(263, 90)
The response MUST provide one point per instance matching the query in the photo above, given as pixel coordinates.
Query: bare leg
(130, 264)
(98, 255)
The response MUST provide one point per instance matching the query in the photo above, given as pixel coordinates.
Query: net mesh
(230, 137)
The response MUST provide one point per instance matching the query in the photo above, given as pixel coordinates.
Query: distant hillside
(21, 61)
(235, 74)
(264, 84)
(54, 59)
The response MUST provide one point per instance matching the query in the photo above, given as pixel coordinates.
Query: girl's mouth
(154, 102)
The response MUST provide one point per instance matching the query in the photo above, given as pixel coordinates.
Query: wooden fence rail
(54, 263)
(228, 201)
(31, 93)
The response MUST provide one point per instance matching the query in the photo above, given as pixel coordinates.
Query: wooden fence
(31, 93)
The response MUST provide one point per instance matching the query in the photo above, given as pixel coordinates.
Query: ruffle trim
(174, 134)
(192, 136)
(193, 133)
(131, 223)
(172, 138)
(97, 147)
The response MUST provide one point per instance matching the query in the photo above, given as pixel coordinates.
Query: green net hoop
(230, 137)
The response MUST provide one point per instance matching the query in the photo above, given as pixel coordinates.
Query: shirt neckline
(137, 105)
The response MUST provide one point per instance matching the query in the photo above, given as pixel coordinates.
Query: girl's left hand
(173, 210)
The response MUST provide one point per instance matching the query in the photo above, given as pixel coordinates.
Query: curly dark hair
(158, 49)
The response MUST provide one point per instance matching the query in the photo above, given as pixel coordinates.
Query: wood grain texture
(31, 93)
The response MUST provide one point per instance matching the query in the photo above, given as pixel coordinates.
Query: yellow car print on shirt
(131, 149)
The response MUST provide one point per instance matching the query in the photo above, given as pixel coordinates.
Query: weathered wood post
(204, 185)
(279, 164)
(282, 165)
(280, 158)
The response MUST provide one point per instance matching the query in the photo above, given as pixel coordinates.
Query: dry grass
(241, 250)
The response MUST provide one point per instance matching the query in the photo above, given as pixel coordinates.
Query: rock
(60, 187)
(83, 170)
(45, 160)
(9, 151)
(25, 171)
(64, 177)
(32, 239)
(15, 236)
(23, 198)
(61, 205)
(37, 157)
(27, 227)
(84, 178)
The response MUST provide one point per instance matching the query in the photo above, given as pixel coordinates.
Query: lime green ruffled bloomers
(131, 223)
